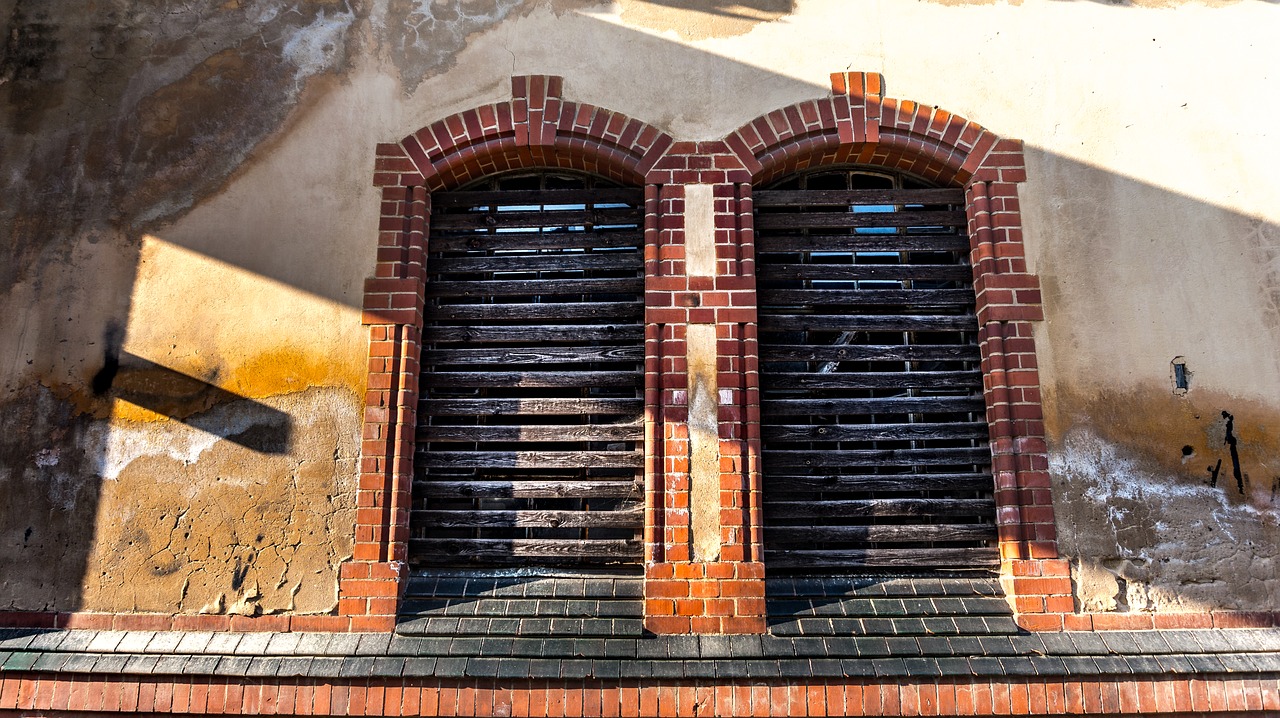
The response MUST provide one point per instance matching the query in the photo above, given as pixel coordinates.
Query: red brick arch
(536, 128)
(857, 124)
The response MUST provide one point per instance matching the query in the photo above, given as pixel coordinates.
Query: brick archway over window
(537, 128)
(859, 125)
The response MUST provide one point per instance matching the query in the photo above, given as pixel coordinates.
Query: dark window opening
(873, 421)
(530, 431)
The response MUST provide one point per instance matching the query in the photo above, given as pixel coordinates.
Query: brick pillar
(370, 583)
(702, 565)
(1036, 580)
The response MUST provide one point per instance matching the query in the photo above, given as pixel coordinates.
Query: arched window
(875, 444)
(530, 431)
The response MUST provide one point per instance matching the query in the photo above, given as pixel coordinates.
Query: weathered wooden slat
(507, 197)
(612, 261)
(869, 297)
(505, 549)
(513, 241)
(550, 218)
(875, 432)
(554, 311)
(546, 333)
(775, 459)
(513, 287)
(485, 407)
(883, 557)
(868, 508)
(868, 352)
(777, 483)
(568, 432)
(801, 197)
(529, 459)
(796, 243)
(882, 533)
(618, 518)
(828, 270)
(531, 489)
(532, 355)
(868, 322)
(561, 378)
(872, 380)
(829, 220)
(887, 405)
(523, 310)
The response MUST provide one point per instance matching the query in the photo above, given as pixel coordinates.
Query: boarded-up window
(530, 435)
(875, 441)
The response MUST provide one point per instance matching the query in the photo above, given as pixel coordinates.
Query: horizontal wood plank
(529, 459)
(519, 241)
(612, 261)
(521, 218)
(887, 405)
(769, 321)
(803, 243)
(766, 221)
(869, 352)
(831, 270)
(868, 297)
(506, 549)
(483, 407)
(621, 518)
(778, 459)
(567, 432)
(526, 311)
(881, 533)
(779, 482)
(535, 379)
(594, 195)
(871, 508)
(532, 355)
(535, 287)
(564, 333)
(529, 489)
(872, 380)
(801, 197)
(936, 557)
(875, 432)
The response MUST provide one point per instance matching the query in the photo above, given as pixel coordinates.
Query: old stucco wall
(189, 218)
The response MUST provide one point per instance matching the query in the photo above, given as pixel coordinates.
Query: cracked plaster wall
(188, 197)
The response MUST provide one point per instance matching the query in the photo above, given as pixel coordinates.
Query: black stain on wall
(1231, 442)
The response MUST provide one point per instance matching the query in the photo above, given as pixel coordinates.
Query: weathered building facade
(763, 352)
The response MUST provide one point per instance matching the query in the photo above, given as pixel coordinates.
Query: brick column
(1036, 579)
(703, 572)
(370, 583)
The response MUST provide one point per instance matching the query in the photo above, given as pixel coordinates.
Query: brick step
(563, 604)
(887, 606)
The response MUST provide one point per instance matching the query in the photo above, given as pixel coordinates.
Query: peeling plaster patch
(430, 33)
(315, 48)
(1142, 541)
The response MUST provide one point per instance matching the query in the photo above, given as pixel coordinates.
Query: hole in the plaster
(1188, 450)
(1181, 376)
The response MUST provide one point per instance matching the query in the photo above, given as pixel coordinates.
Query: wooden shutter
(875, 440)
(530, 435)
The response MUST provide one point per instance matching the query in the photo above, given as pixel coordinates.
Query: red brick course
(25, 694)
